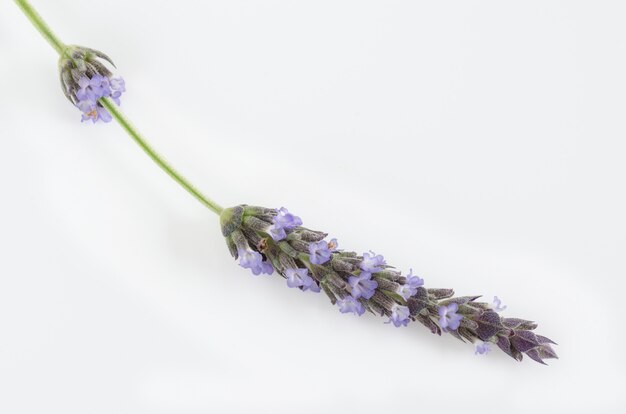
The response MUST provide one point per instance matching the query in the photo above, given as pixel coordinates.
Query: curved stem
(60, 47)
(135, 135)
(39, 23)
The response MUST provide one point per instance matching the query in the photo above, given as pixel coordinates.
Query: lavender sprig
(266, 239)
(366, 282)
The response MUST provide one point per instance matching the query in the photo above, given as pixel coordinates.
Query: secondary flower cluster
(267, 240)
(85, 80)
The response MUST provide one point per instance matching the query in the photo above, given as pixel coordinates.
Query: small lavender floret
(300, 278)
(277, 233)
(322, 251)
(350, 305)
(363, 285)
(286, 220)
(410, 287)
(483, 349)
(313, 287)
(372, 262)
(448, 318)
(399, 316)
(283, 221)
(497, 305)
(249, 259)
(267, 268)
(88, 91)
(103, 114)
(118, 86)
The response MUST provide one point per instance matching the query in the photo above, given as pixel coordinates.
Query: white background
(480, 143)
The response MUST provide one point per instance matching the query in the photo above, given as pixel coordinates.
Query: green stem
(132, 131)
(43, 28)
(60, 47)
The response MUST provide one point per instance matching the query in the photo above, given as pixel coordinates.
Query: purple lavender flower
(399, 316)
(350, 305)
(299, 278)
(86, 106)
(91, 90)
(372, 263)
(118, 86)
(249, 259)
(483, 349)
(266, 267)
(277, 233)
(313, 287)
(86, 92)
(283, 221)
(363, 285)
(449, 319)
(85, 80)
(286, 220)
(497, 305)
(94, 112)
(406, 291)
(103, 114)
(322, 251)
(99, 85)
(410, 287)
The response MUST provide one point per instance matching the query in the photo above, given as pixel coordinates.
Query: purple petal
(277, 233)
(83, 82)
(104, 115)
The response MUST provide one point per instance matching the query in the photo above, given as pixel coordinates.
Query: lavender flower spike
(85, 79)
(366, 283)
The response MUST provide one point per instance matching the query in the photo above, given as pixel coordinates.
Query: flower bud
(85, 79)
